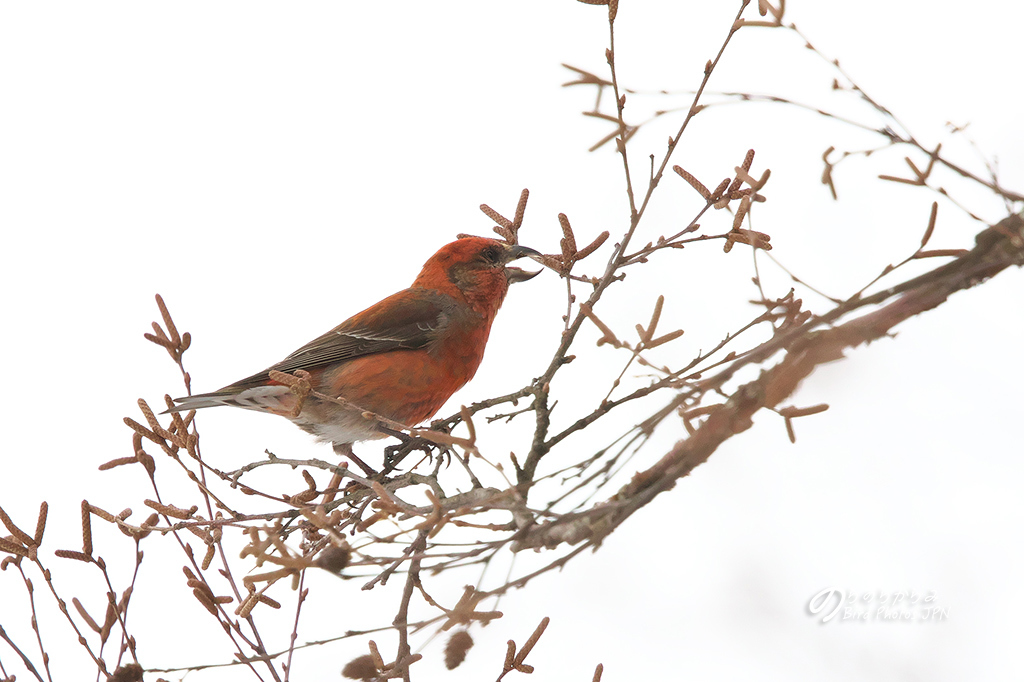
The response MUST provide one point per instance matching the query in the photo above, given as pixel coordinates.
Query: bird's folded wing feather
(410, 319)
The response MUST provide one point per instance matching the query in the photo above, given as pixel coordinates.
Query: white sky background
(272, 170)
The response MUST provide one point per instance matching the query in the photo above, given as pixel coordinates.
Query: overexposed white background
(272, 169)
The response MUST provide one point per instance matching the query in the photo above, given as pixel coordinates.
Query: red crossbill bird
(401, 358)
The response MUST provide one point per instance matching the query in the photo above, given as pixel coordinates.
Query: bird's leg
(394, 454)
(345, 450)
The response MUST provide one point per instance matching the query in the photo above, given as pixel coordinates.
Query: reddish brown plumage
(401, 358)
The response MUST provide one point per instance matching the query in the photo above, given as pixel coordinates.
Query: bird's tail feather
(276, 399)
(198, 402)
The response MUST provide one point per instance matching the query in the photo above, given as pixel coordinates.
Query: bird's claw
(394, 454)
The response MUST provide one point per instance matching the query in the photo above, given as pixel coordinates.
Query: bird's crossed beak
(518, 274)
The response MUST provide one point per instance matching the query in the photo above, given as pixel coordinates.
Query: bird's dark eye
(491, 255)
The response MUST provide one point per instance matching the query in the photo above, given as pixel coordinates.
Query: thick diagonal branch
(996, 249)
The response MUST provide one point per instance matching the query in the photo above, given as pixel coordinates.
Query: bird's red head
(475, 269)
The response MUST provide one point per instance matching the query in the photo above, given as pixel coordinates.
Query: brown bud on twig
(211, 551)
(147, 412)
(298, 382)
(495, 216)
(940, 253)
(168, 322)
(206, 600)
(147, 461)
(789, 430)
(741, 213)
(71, 554)
(334, 559)
(247, 605)
(592, 246)
(143, 431)
(748, 160)
(826, 174)
(759, 240)
(360, 668)
(110, 619)
(174, 344)
(510, 655)
(719, 191)
(130, 672)
(645, 334)
(120, 461)
(171, 510)
(456, 649)
(86, 529)
(524, 196)
(905, 181)
(920, 176)
(790, 413)
(568, 241)
(14, 548)
(305, 497)
(18, 533)
(160, 340)
(693, 182)
(40, 524)
(793, 412)
(532, 642)
(467, 419)
(609, 336)
(378, 661)
(755, 183)
(507, 229)
(931, 224)
(585, 77)
(310, 481)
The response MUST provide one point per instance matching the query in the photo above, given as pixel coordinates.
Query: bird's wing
(408, 320)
